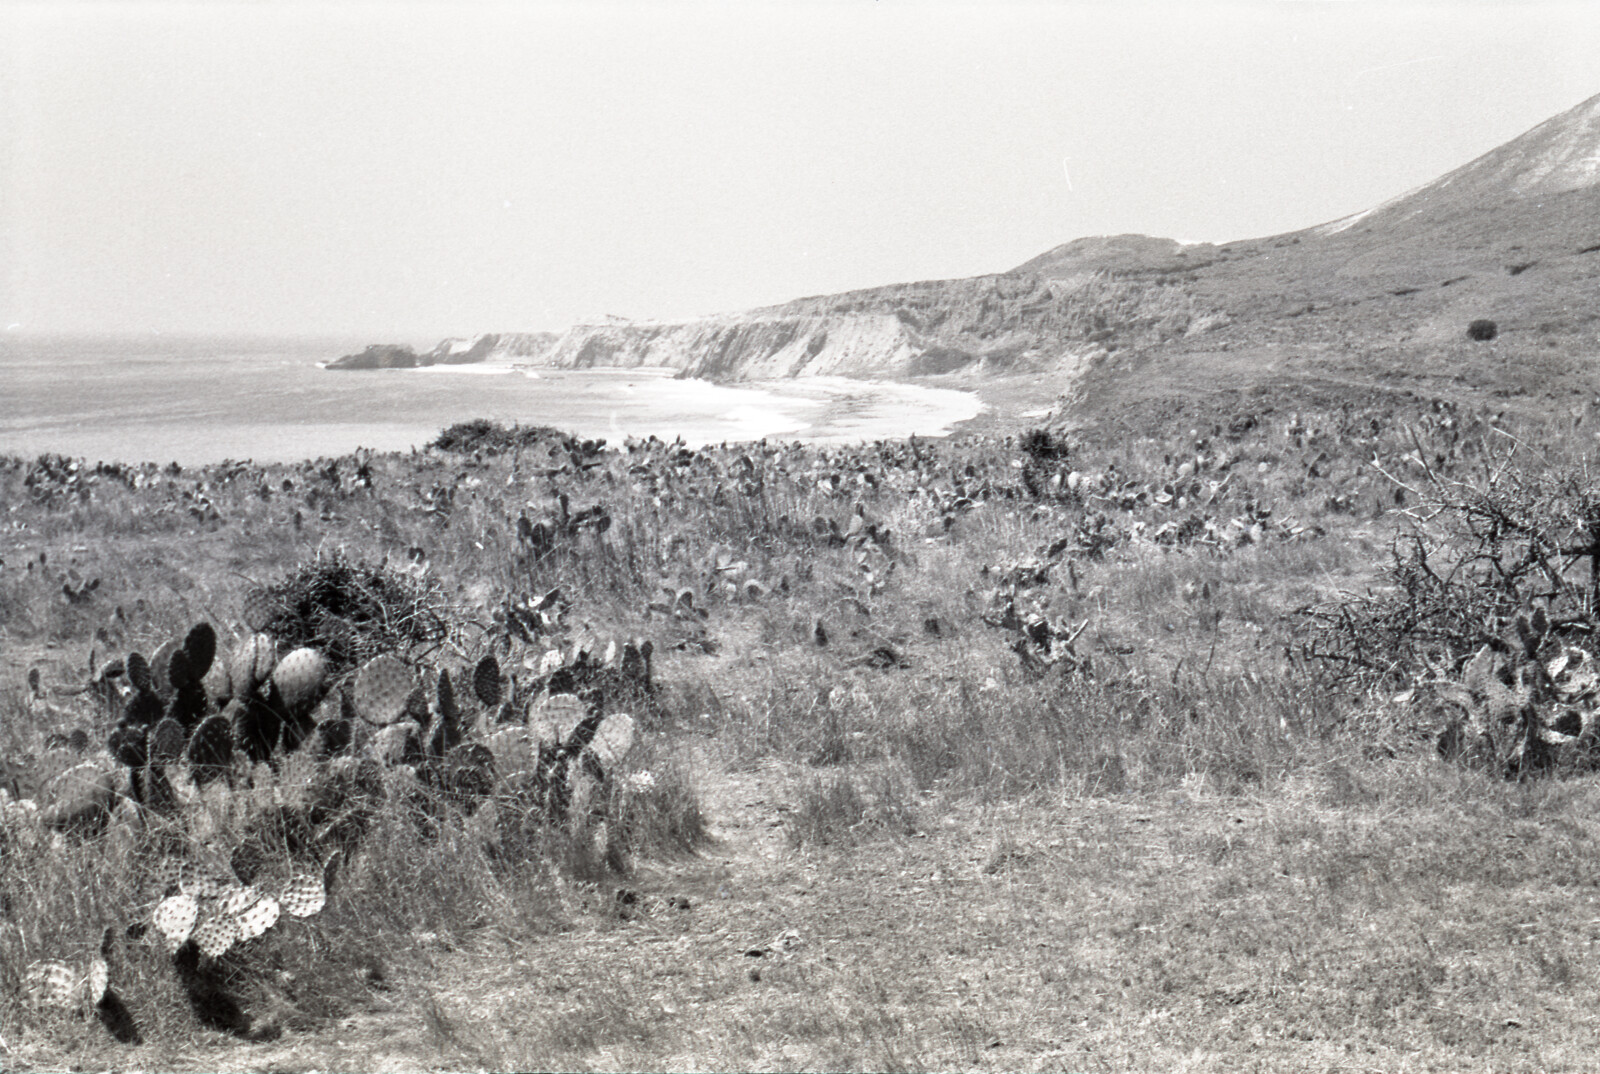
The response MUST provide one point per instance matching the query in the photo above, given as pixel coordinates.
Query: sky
(410, 171)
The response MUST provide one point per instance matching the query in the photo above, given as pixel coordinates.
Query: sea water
(196, 400)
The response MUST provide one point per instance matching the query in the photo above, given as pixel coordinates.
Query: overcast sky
(412, 170)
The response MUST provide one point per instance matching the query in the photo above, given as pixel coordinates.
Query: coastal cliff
(985, 324)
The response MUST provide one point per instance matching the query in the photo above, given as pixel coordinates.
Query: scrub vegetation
(1265, 743)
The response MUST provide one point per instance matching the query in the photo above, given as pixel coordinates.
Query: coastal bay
(197, 400)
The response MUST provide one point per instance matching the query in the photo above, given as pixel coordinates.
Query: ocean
(197, 400)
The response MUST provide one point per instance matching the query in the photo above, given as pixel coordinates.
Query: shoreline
(220, 422)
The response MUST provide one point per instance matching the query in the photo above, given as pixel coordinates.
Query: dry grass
(1185, 854)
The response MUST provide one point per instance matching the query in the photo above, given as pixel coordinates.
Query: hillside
(1382, 299)
(1118, 329)
(1376, 302)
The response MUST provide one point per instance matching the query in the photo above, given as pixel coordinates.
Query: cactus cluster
(216, 911)
(1526, 703)
(1019, 604)
(263, 770)
(191, 717)
(187, 711)
(51, 984)
(527, 734)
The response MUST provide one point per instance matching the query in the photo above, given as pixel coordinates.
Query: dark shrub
(350, 610)
(491, 438)
(1042, 445)
(1482, 330)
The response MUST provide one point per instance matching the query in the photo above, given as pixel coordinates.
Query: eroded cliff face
(984, 324)
(755, 347)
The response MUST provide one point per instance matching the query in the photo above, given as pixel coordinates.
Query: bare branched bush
(1474, 556)
(1488, 620)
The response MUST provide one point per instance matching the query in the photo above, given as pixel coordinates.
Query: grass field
(988, 753)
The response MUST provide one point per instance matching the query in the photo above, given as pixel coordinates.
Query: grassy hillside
(1008, 753)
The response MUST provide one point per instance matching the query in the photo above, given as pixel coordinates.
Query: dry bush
(1472, 557)
(351, 610)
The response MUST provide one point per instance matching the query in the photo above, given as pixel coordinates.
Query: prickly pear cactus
(200, 648)
(127, 744)
(143, 708)
(383, 690)
(1526, 706)
(330, 739)
(301, 678)
(139, 676)
(210, 751)
(486, 682)
(252, 664)
(256, 727)
(445, 733)
(166, 741)
(161, 668)
(399, 743)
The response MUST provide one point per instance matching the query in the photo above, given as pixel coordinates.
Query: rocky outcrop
(1114, 253)
(379, 356)
(450, 352)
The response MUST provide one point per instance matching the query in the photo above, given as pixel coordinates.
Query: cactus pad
(236, 899)
(50, 984)
(210, 750)
(139, 672)
(180, 671)
(127, 745)
(552, 719)
(614, 739)
(252, 663)
(332, 737)
(383, 690)
(297, 724)
(200, 645)
(199, 882)
(398, 743)
(143, 708)
(175, 918)
(469, 773)
(256, 727)
(98, 981)
(486, 682)
(449, 711)
(218, 681)
(215, 935)
(161, 666)
(158, 792)
(189, 704)
(635, 664)
(303, 895)
(300, 677)
(166, 742)
(257, 918)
